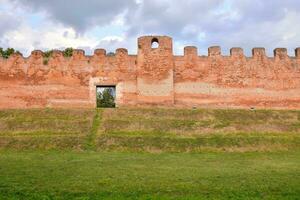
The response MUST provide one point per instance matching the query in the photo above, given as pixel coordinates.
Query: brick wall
(153, 77)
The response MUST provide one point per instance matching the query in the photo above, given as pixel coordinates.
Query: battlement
(155, 76)
(279, 53)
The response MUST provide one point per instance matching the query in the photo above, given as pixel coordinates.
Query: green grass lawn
(147, 153)
(96, 175)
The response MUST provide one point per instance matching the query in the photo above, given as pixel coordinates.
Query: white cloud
(35, 24)
(27, 39)
(81, 15)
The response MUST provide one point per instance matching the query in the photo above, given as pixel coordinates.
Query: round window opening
(154, 43)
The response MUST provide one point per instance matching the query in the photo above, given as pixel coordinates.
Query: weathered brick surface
(153, 77)
(155, 67)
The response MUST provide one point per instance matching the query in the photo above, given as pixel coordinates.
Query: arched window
(154, 43)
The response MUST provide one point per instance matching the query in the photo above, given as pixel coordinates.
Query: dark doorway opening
(106, 96)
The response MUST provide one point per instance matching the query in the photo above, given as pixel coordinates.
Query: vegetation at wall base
(147, 153)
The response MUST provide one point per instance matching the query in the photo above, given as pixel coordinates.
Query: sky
(110, 24)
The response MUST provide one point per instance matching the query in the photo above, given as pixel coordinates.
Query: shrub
(68, 52)
(47, 54)
(8, 52)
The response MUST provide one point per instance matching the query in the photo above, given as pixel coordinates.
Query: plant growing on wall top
(68, 52)
(8, 52)
(47, 55)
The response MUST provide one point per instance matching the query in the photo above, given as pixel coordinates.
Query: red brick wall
(236, 80)
(153, 77)
(155, 67)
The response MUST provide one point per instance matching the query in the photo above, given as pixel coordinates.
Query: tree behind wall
(105, 99)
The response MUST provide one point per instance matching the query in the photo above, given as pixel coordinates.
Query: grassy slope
(130, 153)
(176, 130)
(44, 129)
(150, 130)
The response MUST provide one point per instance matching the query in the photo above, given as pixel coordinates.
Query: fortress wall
(65, 82)
(236, 80)
(153, 77)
